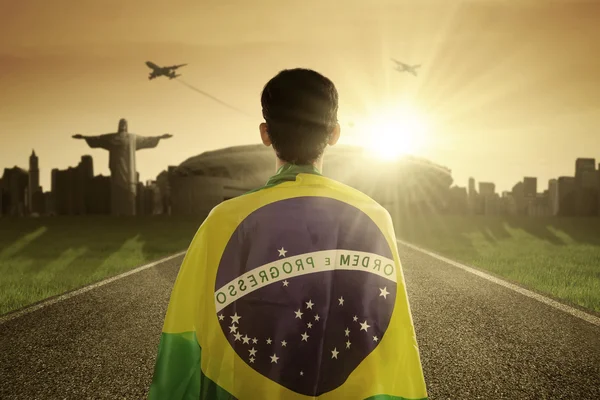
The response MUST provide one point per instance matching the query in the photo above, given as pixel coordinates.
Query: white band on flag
(303, 264)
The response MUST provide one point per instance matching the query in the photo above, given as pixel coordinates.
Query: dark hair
(300, 108)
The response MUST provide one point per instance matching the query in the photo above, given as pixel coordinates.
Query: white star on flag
(384, 293)
(282, 252)
(334, 353)
(364, 326)
(301, 353)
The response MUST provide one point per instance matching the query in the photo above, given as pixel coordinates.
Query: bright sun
(393, 133)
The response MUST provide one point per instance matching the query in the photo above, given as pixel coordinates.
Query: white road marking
(542, 299)
(84, 289)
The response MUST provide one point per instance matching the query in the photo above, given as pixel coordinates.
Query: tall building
(34, 184)
(70, 188)
(567, 196)
(539, 206)
(587, 188)
(598, 180)
(553, 197)
(488, 200)
(586, 176)
(475, 202)
(148, 199)
(87, 167)
(49, 208)
(62, 192)
(472, 190)
(15, 181)
(98, 195)
(162, 181)
(505, 203)
(84, 173)
(487, 189)
(530, 187)
(583, 166)
(518, 202)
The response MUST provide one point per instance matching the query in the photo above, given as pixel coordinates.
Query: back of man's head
(300, 110)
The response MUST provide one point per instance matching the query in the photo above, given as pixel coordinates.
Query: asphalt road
(478, 340)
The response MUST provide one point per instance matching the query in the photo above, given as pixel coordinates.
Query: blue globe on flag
(305, 291)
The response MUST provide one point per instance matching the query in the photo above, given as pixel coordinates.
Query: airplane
(163, 71)
(401, 67)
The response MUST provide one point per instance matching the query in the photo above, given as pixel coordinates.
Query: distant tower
(598, 181)
(583, 165)
(53, 175)
(472, 190)
(553, 197)
(80, 186)
(87, 167)
(34, 179)
(530, 187)
(585, 173)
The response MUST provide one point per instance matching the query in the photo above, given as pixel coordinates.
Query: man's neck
(317, 164)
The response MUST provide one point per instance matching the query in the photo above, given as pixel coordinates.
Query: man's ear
(335, 135)
(264, 135)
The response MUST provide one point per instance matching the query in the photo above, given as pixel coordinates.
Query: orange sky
(509, 90)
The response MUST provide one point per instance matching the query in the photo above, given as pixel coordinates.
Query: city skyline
(419, 186)
(515, 96)
(540, 185)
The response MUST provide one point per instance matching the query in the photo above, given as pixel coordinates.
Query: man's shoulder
(228, 209)
(354, 196)
(324, 186)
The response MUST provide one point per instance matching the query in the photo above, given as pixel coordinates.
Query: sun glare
(393, 133)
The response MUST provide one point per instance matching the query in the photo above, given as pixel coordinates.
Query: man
(295, 290)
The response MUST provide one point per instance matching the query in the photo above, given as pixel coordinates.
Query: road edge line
(44, 303)
(543, 299)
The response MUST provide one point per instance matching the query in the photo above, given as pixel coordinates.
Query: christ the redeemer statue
(122, 147)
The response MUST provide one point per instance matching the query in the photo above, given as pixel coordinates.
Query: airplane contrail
(211, 97)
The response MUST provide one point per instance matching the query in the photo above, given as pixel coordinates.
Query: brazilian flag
(294, 291)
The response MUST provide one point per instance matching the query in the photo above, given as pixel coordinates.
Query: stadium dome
(203, 181)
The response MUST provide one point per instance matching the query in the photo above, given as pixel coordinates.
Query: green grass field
(559, 257)
(40, 258)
